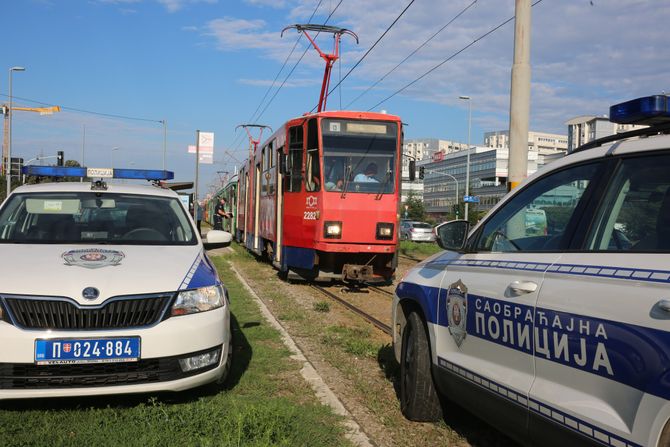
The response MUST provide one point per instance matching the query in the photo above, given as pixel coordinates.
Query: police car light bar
(648, 110)
(62, 171)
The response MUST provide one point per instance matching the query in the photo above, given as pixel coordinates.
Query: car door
(486, 311)
(603, 318)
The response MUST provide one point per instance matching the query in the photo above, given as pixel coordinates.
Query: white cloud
(176, 5)
(584, 55)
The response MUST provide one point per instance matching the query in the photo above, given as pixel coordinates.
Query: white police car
(558, 335)
(106, 289)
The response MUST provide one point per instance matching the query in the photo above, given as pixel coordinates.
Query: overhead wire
(73, 109)
(236, 146)
(369, 50)
(486, 34)
(416, 50)
(301, 57)
(251, 118)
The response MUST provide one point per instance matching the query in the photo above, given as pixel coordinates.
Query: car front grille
(32, 376)
(65, 314)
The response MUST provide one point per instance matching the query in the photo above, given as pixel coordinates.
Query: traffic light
(412, 170)
(60, 158)
(421, 172)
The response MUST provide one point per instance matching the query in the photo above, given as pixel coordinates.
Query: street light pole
(467, 162)
(8, 172)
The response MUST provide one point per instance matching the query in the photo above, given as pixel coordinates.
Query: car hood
(66, 270)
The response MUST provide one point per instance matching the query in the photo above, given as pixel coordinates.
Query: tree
(414, 208)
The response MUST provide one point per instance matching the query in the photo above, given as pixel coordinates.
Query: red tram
(320, 196)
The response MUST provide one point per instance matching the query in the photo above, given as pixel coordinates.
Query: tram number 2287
(311, 215)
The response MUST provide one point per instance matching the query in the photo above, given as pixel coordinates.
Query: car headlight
(384, 230)
(199, 300)
(332, 230)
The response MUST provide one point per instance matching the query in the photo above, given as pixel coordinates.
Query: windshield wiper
(387, 178)
(347, 173)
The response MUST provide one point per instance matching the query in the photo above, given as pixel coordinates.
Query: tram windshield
(359, 156)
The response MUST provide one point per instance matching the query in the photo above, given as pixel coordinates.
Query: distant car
(416, 231)
(550, 319)
(107, 290)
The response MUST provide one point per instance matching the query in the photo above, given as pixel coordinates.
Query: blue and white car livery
(559, 334)
(107, 289)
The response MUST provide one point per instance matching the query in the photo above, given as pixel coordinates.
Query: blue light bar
(62, 171)
(53, 171)
(648, 110)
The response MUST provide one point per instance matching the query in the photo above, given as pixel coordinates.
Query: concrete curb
(322, 391)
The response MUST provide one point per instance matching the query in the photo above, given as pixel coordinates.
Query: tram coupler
(362, 273)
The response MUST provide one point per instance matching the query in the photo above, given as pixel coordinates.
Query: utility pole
(197, 169)
(519, 110)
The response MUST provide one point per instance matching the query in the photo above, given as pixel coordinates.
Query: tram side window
(313, 176)
(295, 135)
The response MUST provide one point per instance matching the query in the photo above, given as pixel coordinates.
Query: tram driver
(368, 175)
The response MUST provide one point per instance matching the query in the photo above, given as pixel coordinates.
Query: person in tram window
(220, 212)
(368, 175)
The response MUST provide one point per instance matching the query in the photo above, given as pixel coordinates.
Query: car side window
(635, 215)
(536, 218)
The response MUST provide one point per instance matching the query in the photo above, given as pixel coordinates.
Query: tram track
(366, 316)
(380, 290)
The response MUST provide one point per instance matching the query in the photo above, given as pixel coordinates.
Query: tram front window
(359, 156)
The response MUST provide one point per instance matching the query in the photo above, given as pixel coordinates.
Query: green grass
(265, 402)
(322, 306)
(355, 341)
(409, 248)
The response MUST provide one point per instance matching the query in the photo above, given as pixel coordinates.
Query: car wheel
(418, 396)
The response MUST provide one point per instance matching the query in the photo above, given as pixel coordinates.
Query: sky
(119, 68)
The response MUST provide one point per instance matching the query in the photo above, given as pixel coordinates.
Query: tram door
(257, 207)
(279, 208)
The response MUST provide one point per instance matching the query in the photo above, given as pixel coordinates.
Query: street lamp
(8, 172)
(111, 154)
(467, 162)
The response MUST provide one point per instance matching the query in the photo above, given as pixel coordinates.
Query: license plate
(87, 350)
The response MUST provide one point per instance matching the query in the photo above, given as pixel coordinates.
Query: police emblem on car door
(457, 308)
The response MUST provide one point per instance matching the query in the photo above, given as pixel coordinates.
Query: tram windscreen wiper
(387, 178)
(347, 174)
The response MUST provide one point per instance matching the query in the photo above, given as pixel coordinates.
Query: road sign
(471, 199)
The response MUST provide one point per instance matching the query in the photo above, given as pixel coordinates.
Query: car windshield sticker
(93, 258)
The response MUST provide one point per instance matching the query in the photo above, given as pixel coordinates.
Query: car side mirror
(452, 235)
(217, 239)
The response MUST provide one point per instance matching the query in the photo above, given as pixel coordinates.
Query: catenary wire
(251, 118)
(296, 64)
(73, 109)
(417, 49)
(491, 31)
(369, 50)
(236, 148)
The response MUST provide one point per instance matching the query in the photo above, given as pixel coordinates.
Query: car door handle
(517, 288)
(664, 305)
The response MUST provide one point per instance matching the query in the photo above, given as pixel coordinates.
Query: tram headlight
(384, 231)
(199, 300)
(332, 230)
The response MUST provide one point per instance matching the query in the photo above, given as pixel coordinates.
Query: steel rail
(366, 316)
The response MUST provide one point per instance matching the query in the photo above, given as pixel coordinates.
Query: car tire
(418, 396)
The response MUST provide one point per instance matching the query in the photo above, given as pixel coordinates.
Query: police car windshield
(95, 218)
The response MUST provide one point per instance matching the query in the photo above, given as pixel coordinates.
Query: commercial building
(584, 129)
